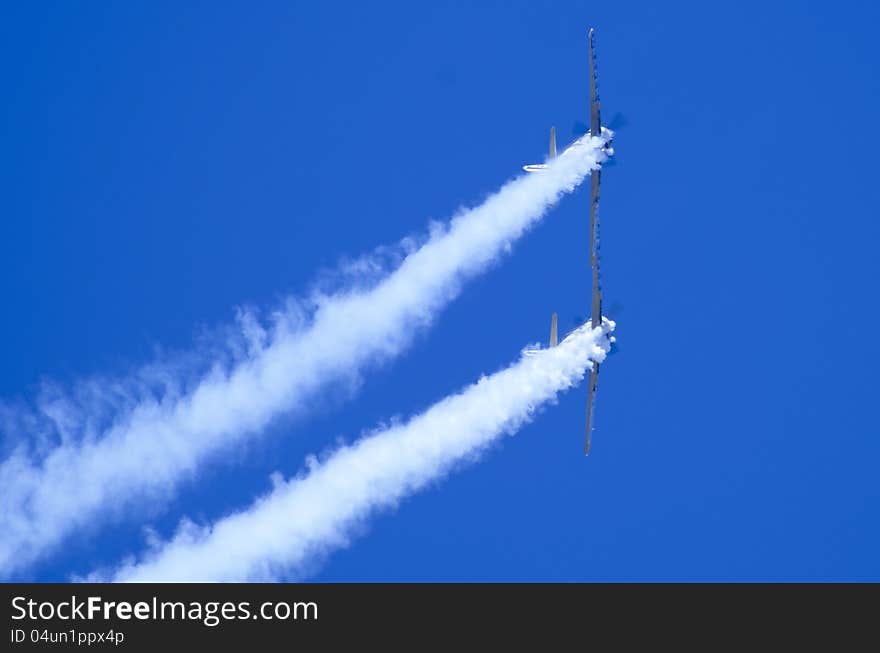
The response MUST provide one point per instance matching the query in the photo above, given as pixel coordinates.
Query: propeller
(615, 309)
(617, 122)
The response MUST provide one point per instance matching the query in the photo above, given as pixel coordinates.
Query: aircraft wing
(591, 400)
(595, 121)
(595, 179)
(596, 301)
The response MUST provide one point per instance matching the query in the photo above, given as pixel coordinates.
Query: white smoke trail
(93, 473)
(309, 515)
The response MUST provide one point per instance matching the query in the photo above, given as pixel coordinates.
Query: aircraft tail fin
(552, 154)
(553, 334)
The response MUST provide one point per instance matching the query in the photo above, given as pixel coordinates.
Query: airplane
(578, 142)
(596, 129)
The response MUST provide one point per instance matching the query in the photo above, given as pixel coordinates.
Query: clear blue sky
(165, 162)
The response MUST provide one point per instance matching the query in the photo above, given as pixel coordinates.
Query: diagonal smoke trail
(307, 516)
(93, 474)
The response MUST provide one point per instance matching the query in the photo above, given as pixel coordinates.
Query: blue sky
(166, 162)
